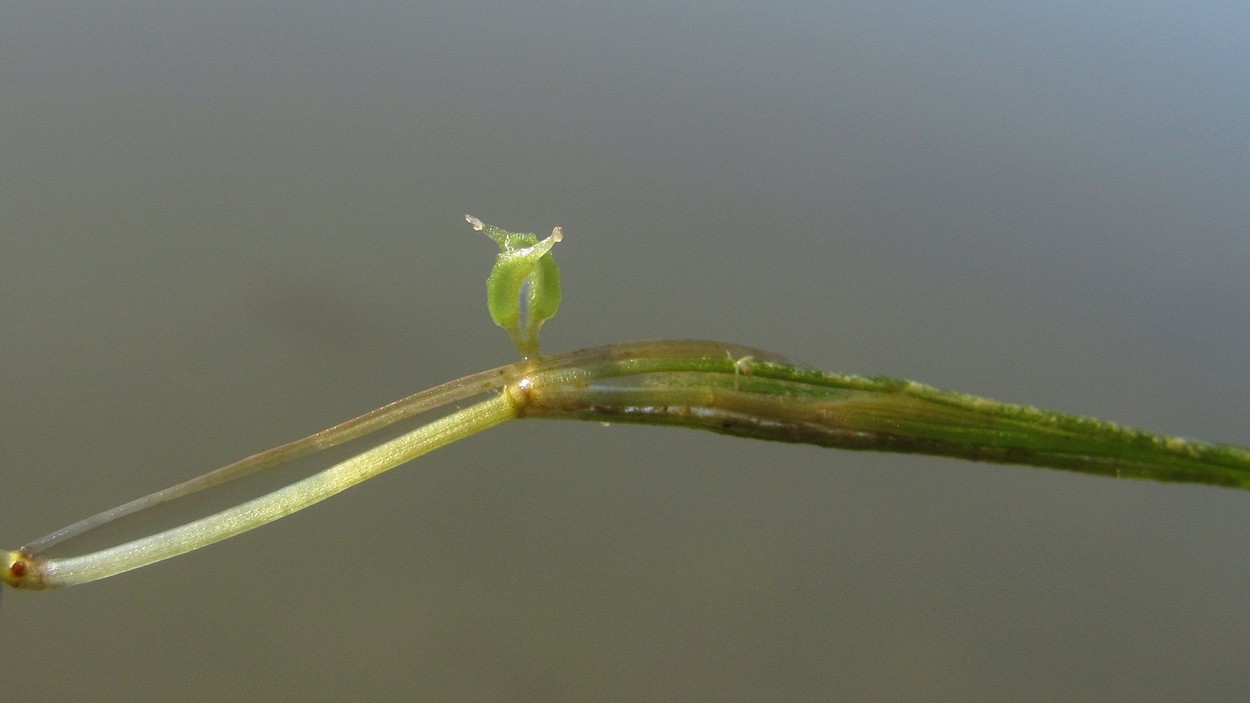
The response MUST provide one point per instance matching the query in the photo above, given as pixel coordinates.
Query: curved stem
(702, 385)
(355, 428)
(269, 507)
(402, 409)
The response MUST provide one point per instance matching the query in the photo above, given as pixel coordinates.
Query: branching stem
(702, 385)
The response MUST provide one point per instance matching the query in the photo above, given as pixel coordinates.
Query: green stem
(783, 402)
(701, 385)
(43, 573)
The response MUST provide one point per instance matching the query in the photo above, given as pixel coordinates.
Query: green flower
(523, 289)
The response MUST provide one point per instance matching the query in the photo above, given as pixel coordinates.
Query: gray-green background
(226, 225)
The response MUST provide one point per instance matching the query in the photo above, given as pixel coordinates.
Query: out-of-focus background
(227, 225)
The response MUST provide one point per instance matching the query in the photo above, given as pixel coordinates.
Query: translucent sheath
(701, 385)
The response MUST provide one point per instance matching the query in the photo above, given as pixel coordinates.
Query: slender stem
(270, 507)
(783, 403)
(702, 385)
(402, 409)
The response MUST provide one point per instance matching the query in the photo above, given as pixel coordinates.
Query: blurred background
(227, 225)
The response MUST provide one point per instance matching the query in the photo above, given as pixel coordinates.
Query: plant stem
(783, 402)
(701, 385)
(267, 508)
